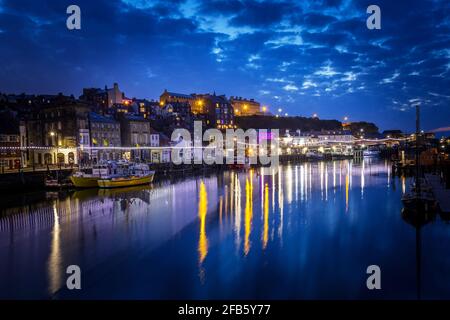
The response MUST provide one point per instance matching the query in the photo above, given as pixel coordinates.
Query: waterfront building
(245, 107)
(159, 152)
(55, 131)
(10, 153)
(135, 132)
(104, 132)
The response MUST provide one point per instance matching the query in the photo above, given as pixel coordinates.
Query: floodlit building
(245, 107)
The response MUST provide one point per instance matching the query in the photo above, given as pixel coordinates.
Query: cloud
(290, 87)
(275, 50)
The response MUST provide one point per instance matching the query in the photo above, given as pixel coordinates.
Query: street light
(54, 134)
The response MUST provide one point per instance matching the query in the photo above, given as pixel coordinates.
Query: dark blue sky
(303, 56)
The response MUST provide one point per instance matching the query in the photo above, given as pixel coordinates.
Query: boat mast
(417, 147)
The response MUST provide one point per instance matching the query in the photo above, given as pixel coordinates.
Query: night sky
(303, 56)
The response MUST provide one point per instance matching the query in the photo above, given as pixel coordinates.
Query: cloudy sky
(302, 56)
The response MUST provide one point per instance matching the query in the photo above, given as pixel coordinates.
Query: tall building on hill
(169, 97)
(195, 101)
(245, 107)
(103, 98)
(218, 112)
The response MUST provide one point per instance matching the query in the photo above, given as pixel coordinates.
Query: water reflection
(54, 261)
(202, 210)
(253, 235)
(265, 237)
(418, 220)
(248, 213)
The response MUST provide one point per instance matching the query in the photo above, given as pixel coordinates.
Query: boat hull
(124, 182)
(84, 182)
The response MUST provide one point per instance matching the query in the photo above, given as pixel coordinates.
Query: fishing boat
(88, 177)
(137, 174)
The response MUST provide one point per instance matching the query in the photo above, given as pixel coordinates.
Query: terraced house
(104, 133)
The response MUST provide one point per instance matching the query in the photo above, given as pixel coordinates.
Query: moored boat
(137, 174)
(119, 182)
(87, 177)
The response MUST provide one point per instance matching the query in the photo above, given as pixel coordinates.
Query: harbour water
(308, 232)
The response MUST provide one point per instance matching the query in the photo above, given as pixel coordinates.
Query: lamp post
(55, 134)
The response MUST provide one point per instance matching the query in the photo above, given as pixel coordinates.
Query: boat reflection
(418, 220)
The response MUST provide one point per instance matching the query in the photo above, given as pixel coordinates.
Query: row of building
(103, 124)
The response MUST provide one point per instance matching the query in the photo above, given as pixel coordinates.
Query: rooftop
(179, 95)
(95, 117)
